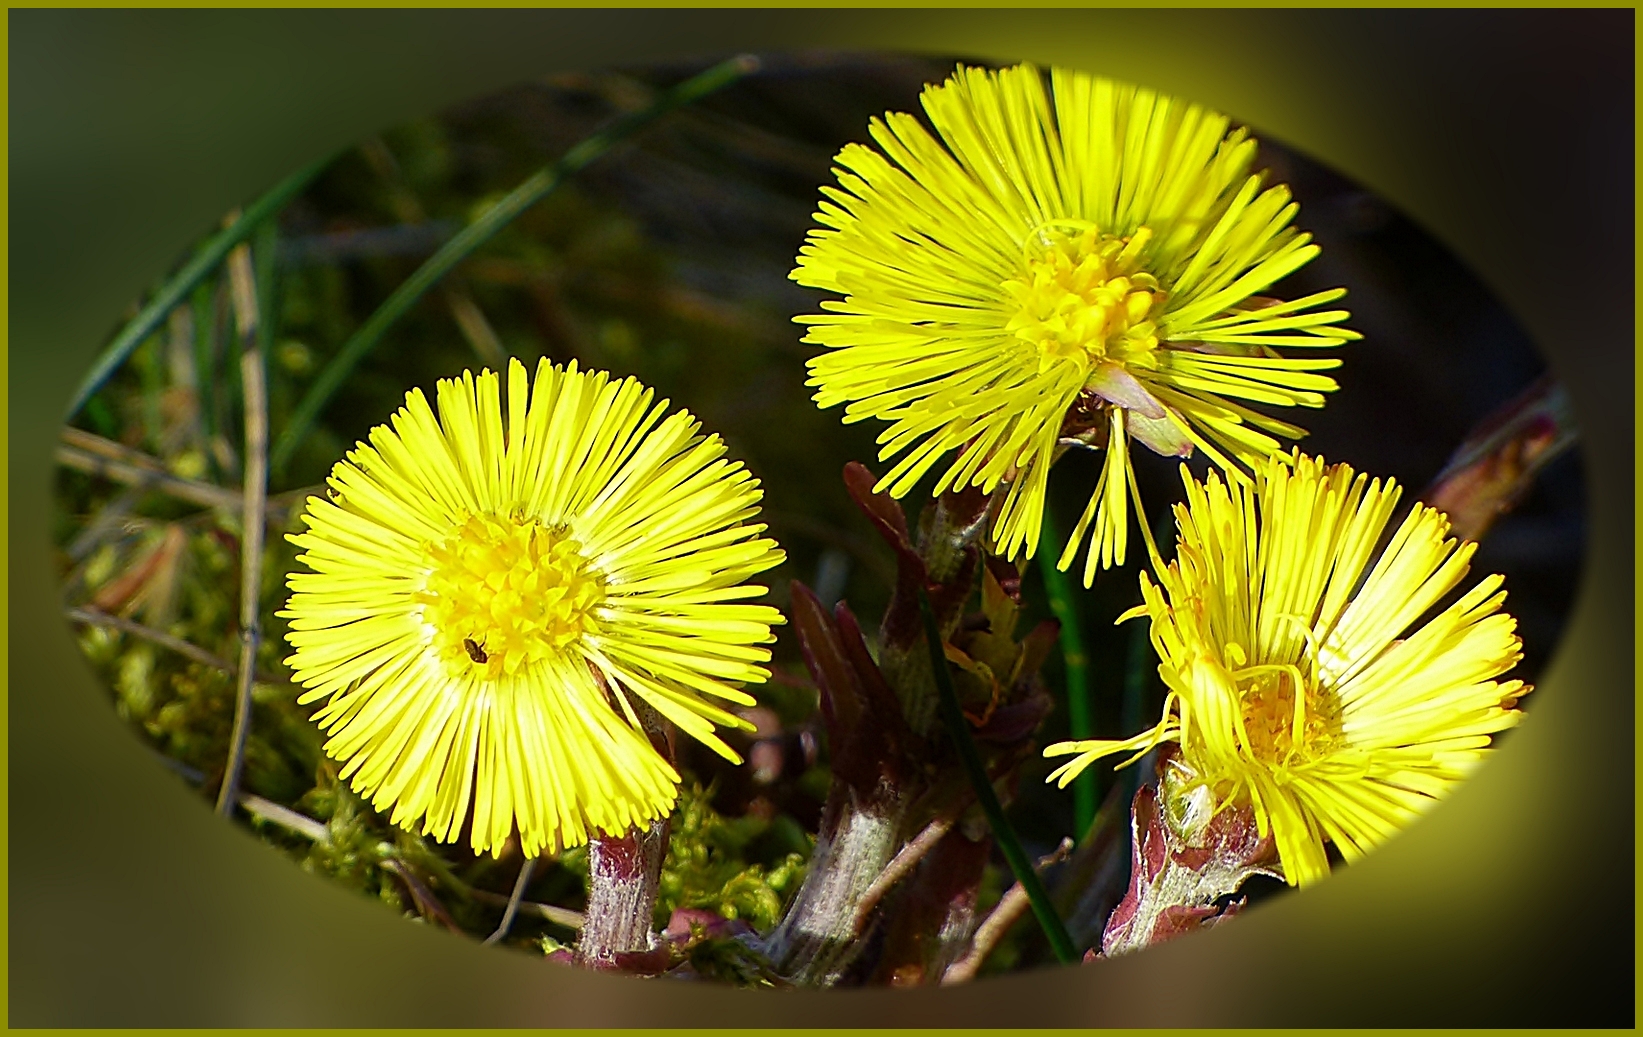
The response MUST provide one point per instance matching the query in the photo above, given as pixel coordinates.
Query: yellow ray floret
(494, 588)
(1295, 684)
(1096, 244)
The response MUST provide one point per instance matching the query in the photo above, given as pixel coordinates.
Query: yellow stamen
(517, 589)
(1086, 298)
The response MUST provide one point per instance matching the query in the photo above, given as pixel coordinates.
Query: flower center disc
(505, 593)
(1267, 699)
(1085, 296)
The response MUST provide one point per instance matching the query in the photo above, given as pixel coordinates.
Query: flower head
(494, 603)
(1084, 269)
(1295, 685)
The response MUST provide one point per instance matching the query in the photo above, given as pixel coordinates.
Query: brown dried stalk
(285, 817)
(557, 915)
(97, 617)
(254, 498)
(512, 908)
(427, 904)
(1011, 906)
(90, 453)
(900, 866)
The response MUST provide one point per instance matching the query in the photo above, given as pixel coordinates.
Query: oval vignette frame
(1091, 996)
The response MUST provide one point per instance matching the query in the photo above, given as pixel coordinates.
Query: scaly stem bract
(1060, 942)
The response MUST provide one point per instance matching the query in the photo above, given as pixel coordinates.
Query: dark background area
(1506, 135)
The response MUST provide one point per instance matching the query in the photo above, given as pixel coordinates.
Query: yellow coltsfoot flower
(1078, 269)
(1297, 693)
(495, 588)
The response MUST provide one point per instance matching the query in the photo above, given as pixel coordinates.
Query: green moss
(707, 865)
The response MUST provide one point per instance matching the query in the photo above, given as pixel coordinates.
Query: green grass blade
(1060, 942)
(1138, 668)
(481, 230)
(1075, 663)
(174, 290)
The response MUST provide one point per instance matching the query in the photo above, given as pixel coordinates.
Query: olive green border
(133, 131)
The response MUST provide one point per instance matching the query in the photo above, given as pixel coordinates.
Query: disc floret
(518, 590)
(1086, 297)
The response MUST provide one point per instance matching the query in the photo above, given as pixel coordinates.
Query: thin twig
(288, 499)
(111, 518)
(255, 395)
(89, 452)
(319, 832)
(285, 817)
(191, 490)
(481, 230)
(92, 443)
(557, 915)
(1011, 906)
(266, 809)
(206, 260)
(97, 617)
(471, 321)
(519, 885)
(905, 860)
(427, 904)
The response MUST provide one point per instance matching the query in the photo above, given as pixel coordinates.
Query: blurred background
(668, 261)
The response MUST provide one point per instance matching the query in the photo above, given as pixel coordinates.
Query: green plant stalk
(1075, 663)
(1139, 666)
(253, 529)
(481, 230)
(1135, 689)
(174, 290)
(1060, 942)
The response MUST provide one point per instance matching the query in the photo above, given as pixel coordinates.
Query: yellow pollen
(506, 593)
(1085, 296)
(1277, 735)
